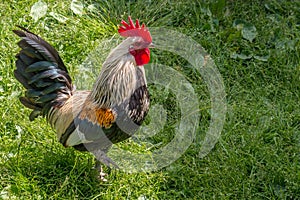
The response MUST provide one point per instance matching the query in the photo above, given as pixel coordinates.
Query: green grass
(257, 156)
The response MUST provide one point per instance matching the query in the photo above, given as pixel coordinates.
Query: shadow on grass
(64, 173)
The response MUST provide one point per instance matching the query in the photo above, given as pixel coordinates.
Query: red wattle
(142, 56)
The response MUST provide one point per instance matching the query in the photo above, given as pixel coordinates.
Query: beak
(151, 45)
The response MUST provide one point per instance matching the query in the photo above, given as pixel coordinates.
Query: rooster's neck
(117, 81)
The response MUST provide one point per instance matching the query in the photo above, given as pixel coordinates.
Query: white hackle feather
(118, 77)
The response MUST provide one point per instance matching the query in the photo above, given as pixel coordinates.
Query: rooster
(88, 120)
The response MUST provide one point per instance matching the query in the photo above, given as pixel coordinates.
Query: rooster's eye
(138, 44)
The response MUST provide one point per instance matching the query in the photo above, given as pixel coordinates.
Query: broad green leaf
(239, 24)
(247, 29)
(38, 10)
(249, 32)
(241, 56)
(77, 7)
(92, 8)
(58, 17)
(262, 58)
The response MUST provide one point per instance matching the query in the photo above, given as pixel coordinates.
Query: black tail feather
(29, 104)
(21, 79)
(43, 47)
(42, 72)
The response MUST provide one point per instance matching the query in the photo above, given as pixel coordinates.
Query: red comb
(131, 30)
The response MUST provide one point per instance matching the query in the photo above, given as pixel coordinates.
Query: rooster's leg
(101, 157)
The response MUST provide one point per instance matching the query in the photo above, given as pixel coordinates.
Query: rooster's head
(139, 40)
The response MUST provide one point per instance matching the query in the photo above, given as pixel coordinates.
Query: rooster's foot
(100, 173)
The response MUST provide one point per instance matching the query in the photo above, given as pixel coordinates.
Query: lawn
(255, 46)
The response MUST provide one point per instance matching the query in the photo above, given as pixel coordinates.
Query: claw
(100, 174)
